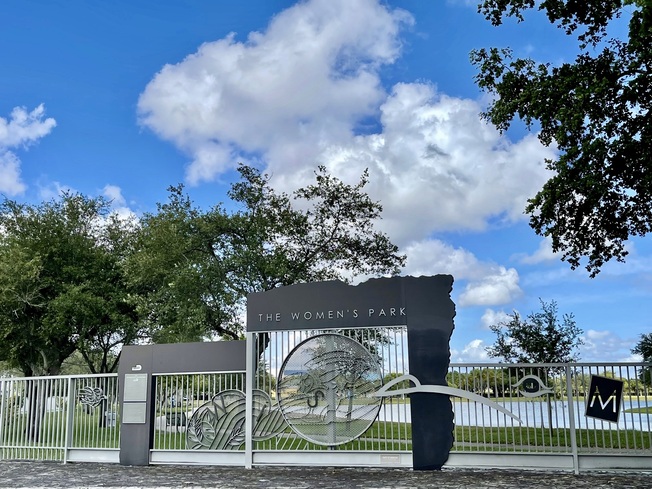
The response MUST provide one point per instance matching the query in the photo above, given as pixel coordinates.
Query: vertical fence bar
(250, 374)
(70, 412)
(571, 417)
(3, 397)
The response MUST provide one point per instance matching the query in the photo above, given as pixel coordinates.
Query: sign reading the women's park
(604, 398)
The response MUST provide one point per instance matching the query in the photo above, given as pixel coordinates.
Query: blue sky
(126, 98)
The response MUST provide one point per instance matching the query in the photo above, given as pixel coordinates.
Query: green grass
(516, 438)
(87, 431)
(398, 436)
(647, 410)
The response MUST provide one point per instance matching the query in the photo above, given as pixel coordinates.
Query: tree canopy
(61, 285)
(539, 338)
(75, 278)
(644, 348)
(595, 110)
(193, 269)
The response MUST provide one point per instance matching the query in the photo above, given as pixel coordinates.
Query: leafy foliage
(596, 110)
(61, 285)
(76, 279)
(194, 269)
(539, 338)
(644, 348)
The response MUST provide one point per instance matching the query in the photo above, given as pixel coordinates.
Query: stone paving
(22, 474)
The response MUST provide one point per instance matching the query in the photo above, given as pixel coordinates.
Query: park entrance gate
(332, 374)
(326, 347)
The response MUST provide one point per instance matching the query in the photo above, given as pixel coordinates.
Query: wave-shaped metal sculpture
(438, 389)
(220, 423)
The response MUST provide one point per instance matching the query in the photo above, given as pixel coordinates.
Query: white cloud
(543, 253)
(498, 288)
(24, 127)
(434, 159)
(491, 317)
(474, 351)
(19, 131)
(53, 190)
(488, 283)
(114, 194)
(10, 182)
(606, 346)
(118, 203)
(306, 79)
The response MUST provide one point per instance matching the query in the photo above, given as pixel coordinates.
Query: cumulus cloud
(114, 194)
(606, 346)
(543, 253)
(53, 190)
(497, 288)
(438, 162)
(491, 317)
(307, 78)
(10, 181)
(292, 96)
(118, 203)
(18, 132)
(474, 351)
(487, 283)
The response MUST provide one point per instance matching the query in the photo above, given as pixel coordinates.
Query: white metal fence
(553, 421)
(76, 418)
(60, 418)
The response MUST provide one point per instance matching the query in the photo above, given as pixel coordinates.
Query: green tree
(195, 268)
(644, 348)
(181, 274)
(61, 285)
(539, 338)
(595, 110)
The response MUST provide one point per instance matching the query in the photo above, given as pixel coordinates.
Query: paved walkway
(89, 475)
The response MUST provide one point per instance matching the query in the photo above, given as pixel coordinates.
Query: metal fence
(59, 418)
(178, 397)
(75, 418)
(389, 430)
(552, 415)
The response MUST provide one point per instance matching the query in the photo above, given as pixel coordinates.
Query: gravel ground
(22, 474)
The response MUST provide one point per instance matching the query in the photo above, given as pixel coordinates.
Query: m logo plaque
(604, 398)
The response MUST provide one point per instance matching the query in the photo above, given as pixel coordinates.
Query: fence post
(571, 417)
(3, 396)
(70, 415)
(250, 374)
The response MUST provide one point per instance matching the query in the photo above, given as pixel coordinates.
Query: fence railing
(48, 418)
(552, 415)
(60, 418)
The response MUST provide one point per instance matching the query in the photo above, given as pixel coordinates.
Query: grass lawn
(398, 436)
(644, 410)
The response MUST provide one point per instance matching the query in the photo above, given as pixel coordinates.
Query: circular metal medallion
(324, 389)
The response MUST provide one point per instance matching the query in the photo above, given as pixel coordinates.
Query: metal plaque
(135, 387)
(135, 412)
